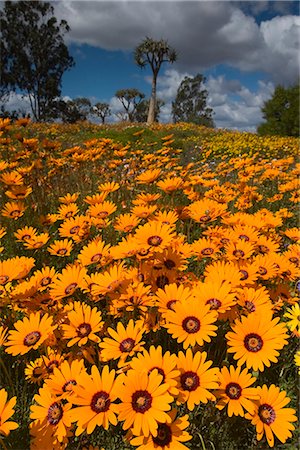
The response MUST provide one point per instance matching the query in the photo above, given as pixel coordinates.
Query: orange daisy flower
(94, 395)
(144, 402)
(84, 323)
(124, 342)
(61, 248)
(270, 416)
(29, 333)
(6, 411)
(49, 412)
(95, 251)
(169, 435)
(64, 378)
(13, 210)
(154, 235)
(67, 282)
(165, 363)
(191, 322)
(196, 378)
(256, 342)
(234, 391)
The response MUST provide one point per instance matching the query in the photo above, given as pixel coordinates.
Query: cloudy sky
(243, 48)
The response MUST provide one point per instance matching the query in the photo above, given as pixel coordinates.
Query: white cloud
(205, 33)
(231, 102)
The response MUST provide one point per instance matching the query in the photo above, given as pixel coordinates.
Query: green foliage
(281, 113)
(33, 54)
(153, 53)
(190, 104)
(142, 109)
(130, 99)
(101, 110)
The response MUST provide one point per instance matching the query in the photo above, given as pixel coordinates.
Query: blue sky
(243, 48)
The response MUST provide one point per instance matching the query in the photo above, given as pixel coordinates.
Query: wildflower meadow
(149, 281)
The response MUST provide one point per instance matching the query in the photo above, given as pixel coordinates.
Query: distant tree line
(34, 58)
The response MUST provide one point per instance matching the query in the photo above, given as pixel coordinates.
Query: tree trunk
(152, 103)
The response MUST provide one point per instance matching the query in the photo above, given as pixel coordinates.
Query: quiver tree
(153, 53)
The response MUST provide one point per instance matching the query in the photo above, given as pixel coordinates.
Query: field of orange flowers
(149, 282)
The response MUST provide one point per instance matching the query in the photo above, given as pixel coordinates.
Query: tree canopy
(281, 112)
(130, 98)
(190, 104)
(153, 53)
(33, 54)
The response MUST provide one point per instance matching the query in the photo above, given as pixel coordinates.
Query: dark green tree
(130, 98)
(190, 104)
(153, 53)
(281, 112)
(33, 54)
(101, 110)
(83, 105)
(142, 109)
(67, 111)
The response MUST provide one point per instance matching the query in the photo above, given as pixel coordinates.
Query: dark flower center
(207, 251)
(75, 230)
(244, 237)
(55, 413)
(262, 270)
(244, 274)
(238, 253)
(189, 381)
(15, 213)
(83, 330)
(294, 259)
(205, 218)
(45, 281)
(162, 281)
(233, 391)
(191, 324)
(96, 257)
(37, 372)
(214, 303)
(71, 288)
(169, 264)
(267, 414)
(250, 306)
(127, 345)
(32, 338)
(62, 251)
(164, 435)
(100, 402)
(154, 241)
(253, 342)
(263, 249)
(141, 401)
(51, 365)
(170, 304)
(68, 386)
(3, 279)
